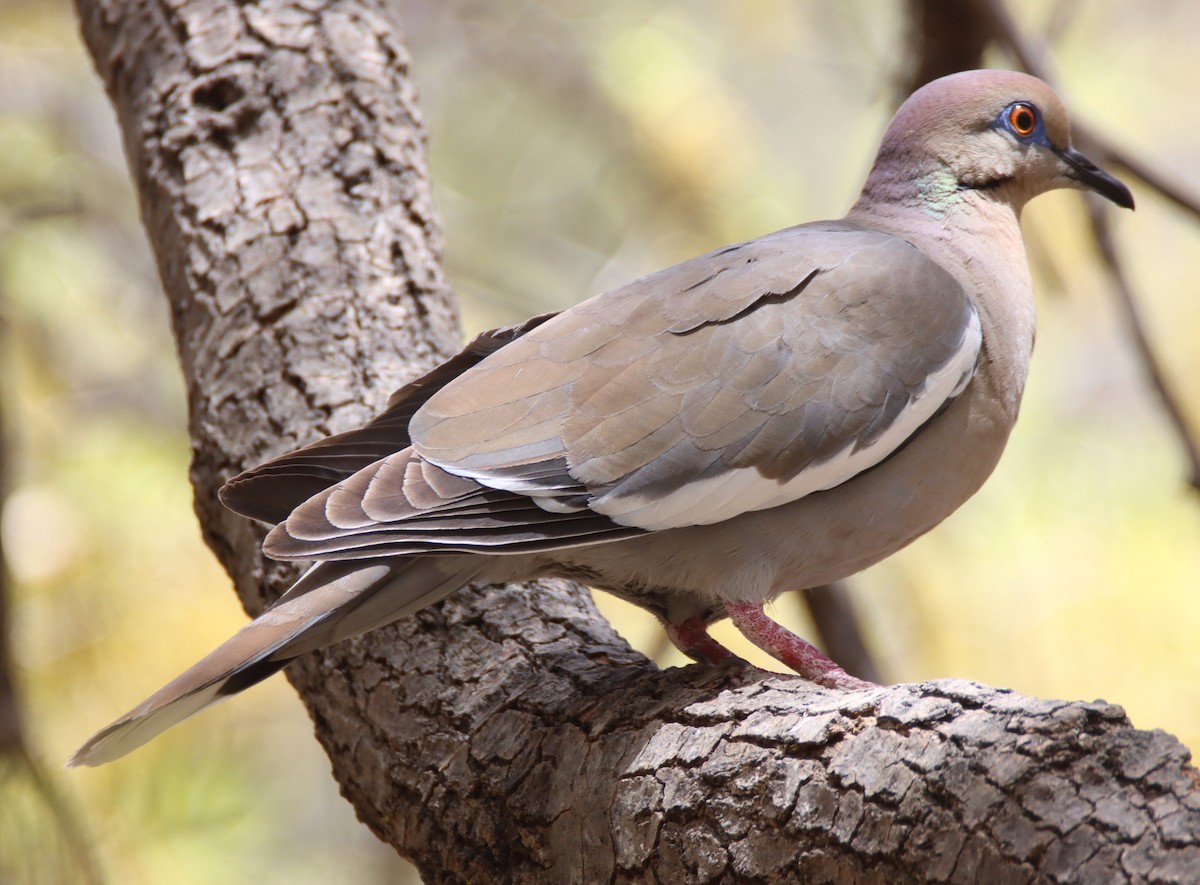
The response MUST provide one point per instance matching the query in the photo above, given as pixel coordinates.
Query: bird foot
(788, 648)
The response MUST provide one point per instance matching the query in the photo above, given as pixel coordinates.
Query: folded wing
(272, 490)
(737, 381)
(740, 380)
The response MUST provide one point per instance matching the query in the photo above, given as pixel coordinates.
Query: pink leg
(691, 637)
(785, 646)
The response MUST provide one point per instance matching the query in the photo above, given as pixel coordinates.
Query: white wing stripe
(729, 494)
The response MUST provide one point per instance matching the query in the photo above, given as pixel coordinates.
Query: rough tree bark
(508, 734)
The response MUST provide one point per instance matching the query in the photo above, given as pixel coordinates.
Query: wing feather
(739, 380)
(272, 490)
(404, 504)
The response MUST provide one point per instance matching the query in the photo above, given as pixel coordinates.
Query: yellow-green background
(575, 146)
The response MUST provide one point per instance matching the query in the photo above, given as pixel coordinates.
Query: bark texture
(508, 734)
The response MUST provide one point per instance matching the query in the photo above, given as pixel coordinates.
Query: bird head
(1000, 133)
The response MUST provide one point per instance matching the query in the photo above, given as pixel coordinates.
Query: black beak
(1094, 178)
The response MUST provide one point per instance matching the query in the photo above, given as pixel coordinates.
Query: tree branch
(1107, 249)
(508, 734)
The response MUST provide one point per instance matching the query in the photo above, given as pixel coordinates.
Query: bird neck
(976, 236)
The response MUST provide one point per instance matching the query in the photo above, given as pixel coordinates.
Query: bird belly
(823, 537)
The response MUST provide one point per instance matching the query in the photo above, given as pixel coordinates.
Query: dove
(770, 416)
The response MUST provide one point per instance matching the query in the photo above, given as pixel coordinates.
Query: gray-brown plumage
(770, 416)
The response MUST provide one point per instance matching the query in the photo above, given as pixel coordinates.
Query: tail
(331, 602)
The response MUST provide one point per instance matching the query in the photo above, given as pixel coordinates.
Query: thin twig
(841, 634)
(15, 753)
(1102, 230)
(1032, 59)
(1103, 151)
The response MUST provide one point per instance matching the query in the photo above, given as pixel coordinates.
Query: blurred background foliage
(574, 146)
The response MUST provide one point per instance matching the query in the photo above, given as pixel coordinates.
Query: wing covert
(739, 380)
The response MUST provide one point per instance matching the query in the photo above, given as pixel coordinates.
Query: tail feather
(331, 602)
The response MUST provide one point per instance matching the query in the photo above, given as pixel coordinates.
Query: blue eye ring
(1022, 119)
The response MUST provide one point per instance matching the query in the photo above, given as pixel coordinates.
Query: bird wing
(404, 504)
(738, 380)
(273, 490)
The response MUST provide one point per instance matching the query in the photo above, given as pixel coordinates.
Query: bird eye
(1023, 119)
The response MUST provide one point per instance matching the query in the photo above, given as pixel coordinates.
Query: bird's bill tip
(1092, 177)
